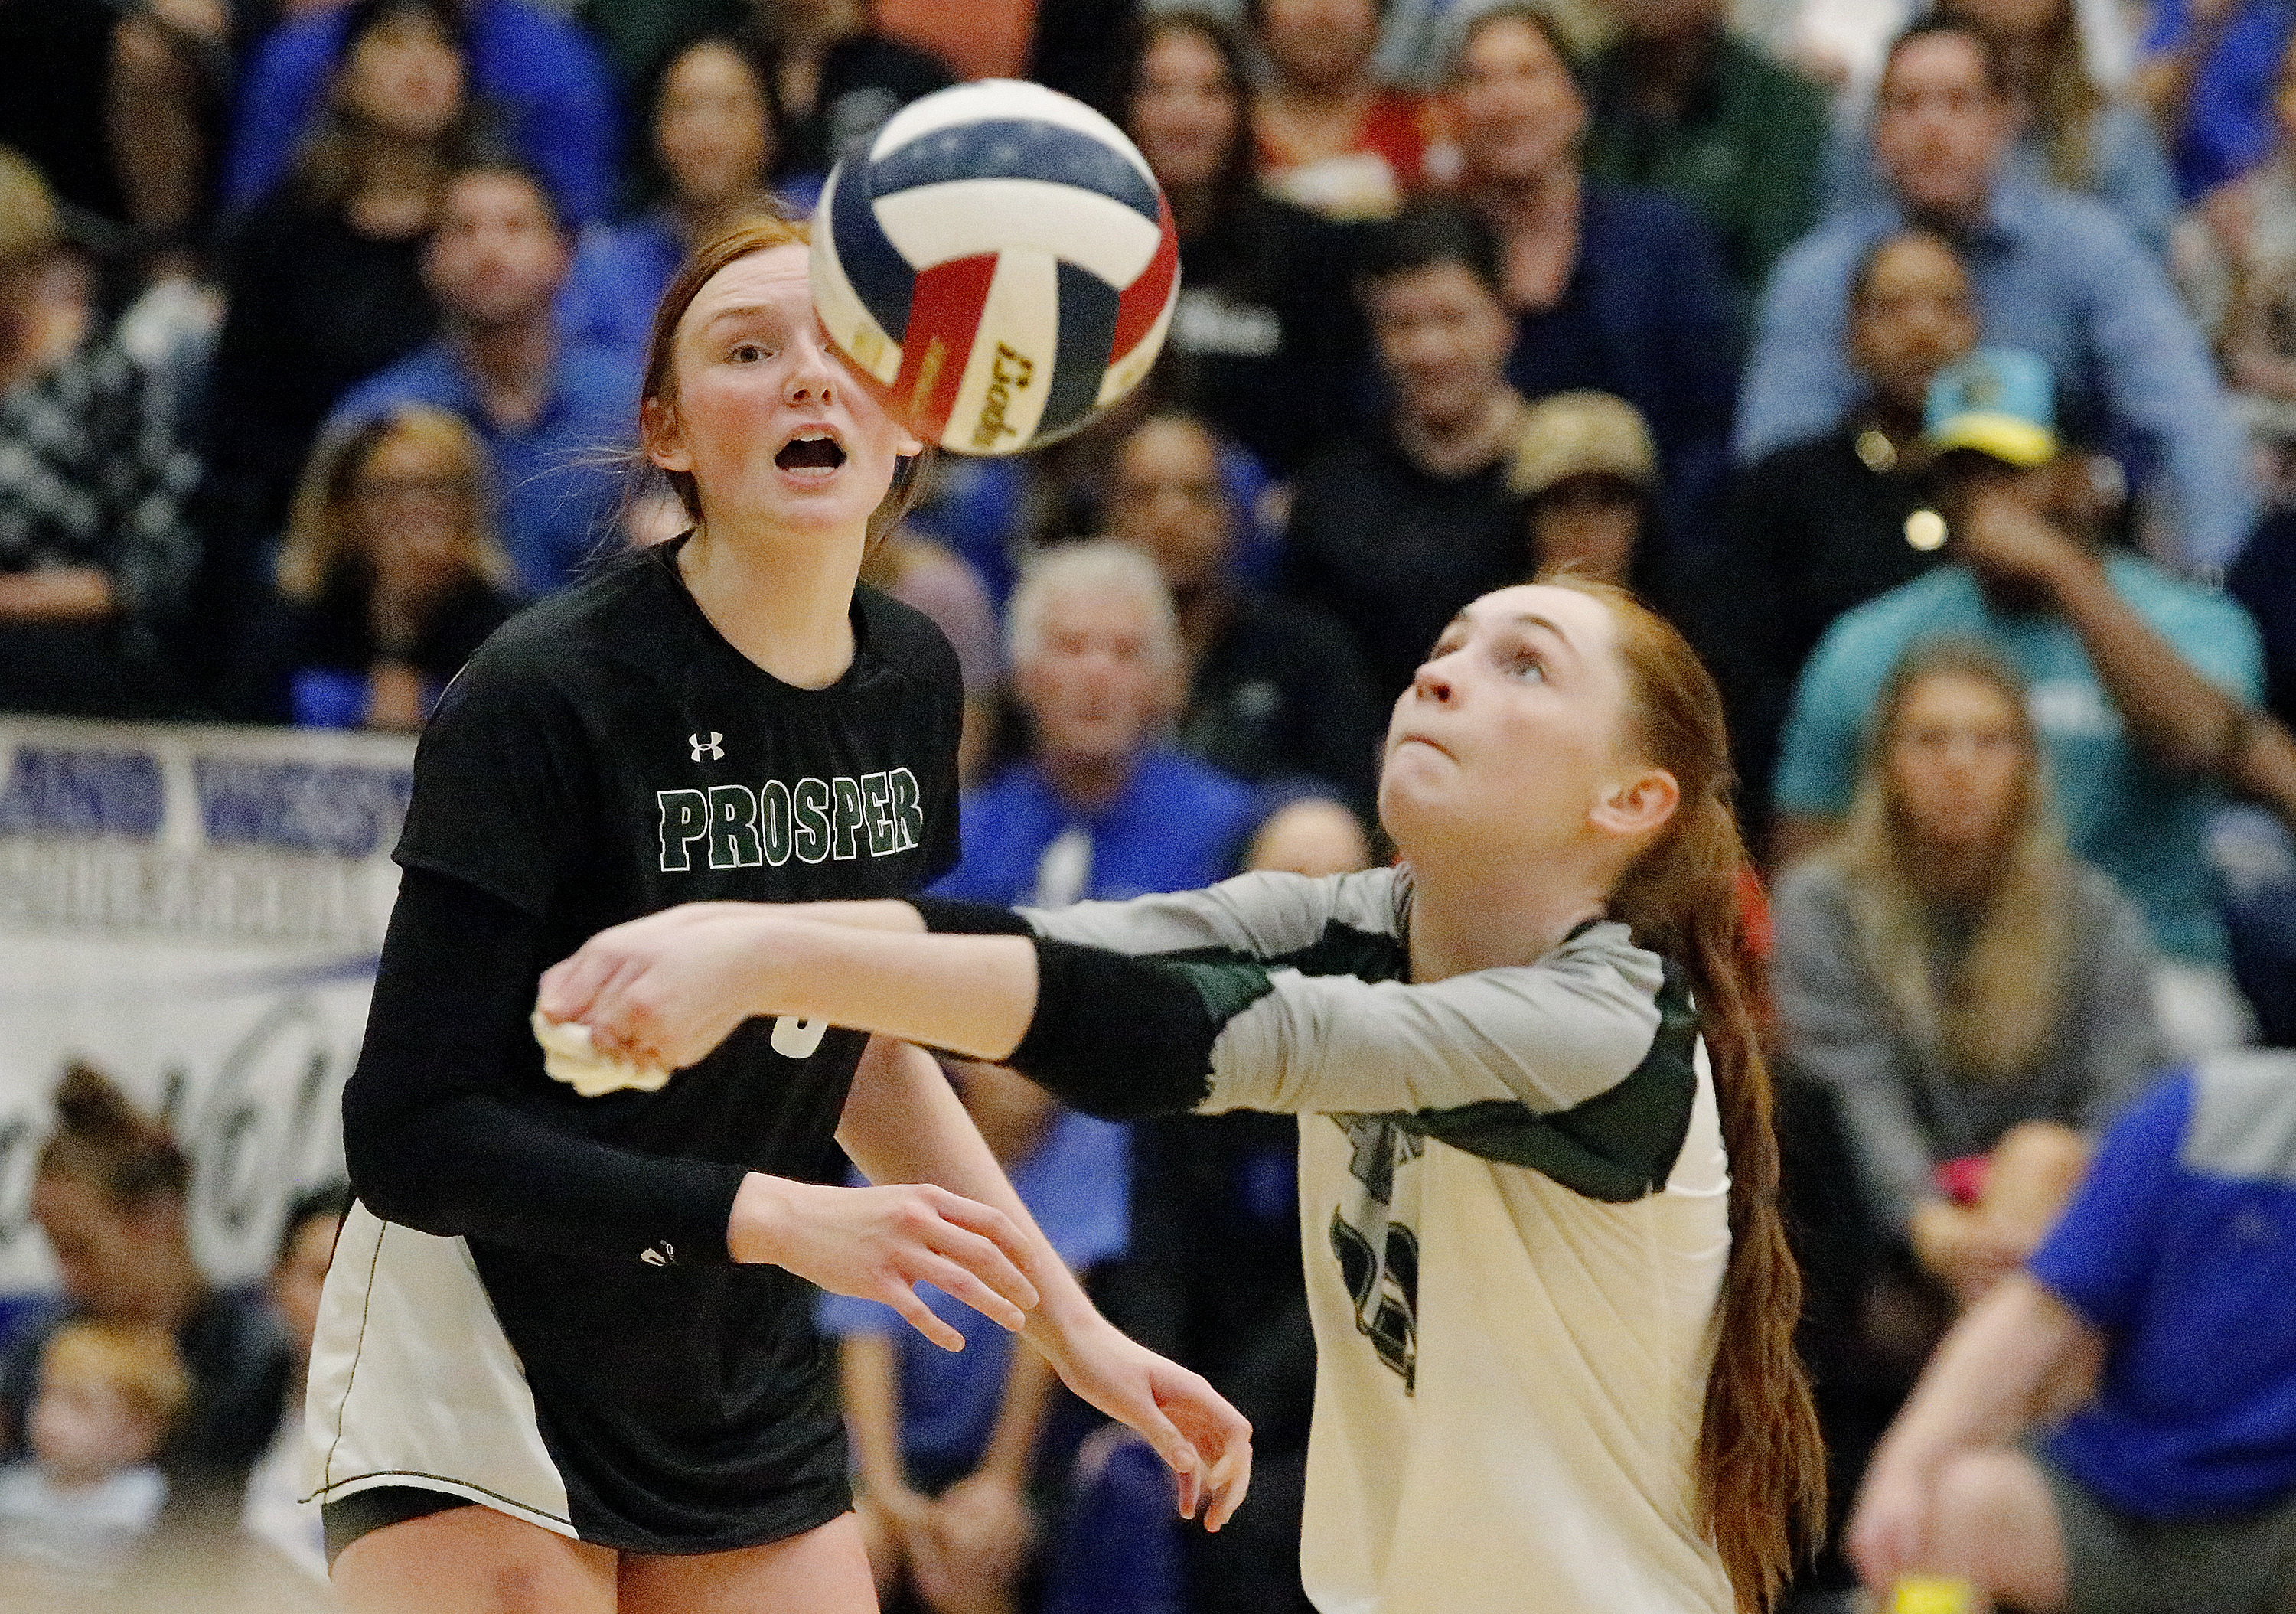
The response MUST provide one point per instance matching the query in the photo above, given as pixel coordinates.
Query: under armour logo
(717, 751)
(660, 1255)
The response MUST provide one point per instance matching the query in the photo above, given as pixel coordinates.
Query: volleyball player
(1553, 1303)
(565, 1359)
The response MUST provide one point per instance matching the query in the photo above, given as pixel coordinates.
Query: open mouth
(810, 453)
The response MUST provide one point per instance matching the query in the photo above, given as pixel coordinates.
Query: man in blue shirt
(2143, 687)
(1104, 808)
(551, 412)
(2055, 274)
(2172, 1488)
(537, 69)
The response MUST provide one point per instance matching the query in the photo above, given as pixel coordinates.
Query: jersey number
(795, 1038)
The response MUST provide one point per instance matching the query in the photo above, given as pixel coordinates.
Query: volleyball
(998, 264)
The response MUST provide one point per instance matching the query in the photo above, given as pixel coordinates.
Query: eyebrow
(741, 311)
(1531, 619)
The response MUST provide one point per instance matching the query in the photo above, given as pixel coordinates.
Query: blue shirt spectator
(1101, 808)
(557, 504)
(2056, 274)
(2139, 823)
(549, 411)
(616, 282)
(2129, 172)
(1177, 824)
(2223, 121)
(2173, 1488)
(543, 75)
(2181, 1243)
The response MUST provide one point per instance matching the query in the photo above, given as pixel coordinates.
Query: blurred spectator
(1102, 806)
(2071, 132)
(945, 1443)
(2235, 262)
(1586, 465)
(389, 579)
(710, 148)
(2255, 851)
(972, 39)
(2139, 683)
(56, 116)
(2055, 274)
(2208, 78)
(548, 408)
(920, 573)
(2264, 582)
(1265, 343)
(74, 1511)
(277, 1512)
(535, 67)
(172, 62)
(1977, 997)
(1310, 835)
(323, 279)
(1276, 689)
(96, 553)
(1681, 104)
(109, 1194)
(1616, 290)
(636, 37)
(1393, 535)
(1329, 138)
(2172, 1486)
(836, 79)
(1819, 527)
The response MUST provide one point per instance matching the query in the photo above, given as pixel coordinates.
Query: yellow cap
(1932, 1594)
(2003, 437)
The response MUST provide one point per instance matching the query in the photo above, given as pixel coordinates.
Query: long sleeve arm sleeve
(437, 1131)
(1581, 1066)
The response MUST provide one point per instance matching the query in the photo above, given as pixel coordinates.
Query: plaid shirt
(92, 473)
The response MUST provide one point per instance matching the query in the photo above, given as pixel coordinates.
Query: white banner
(196, 912)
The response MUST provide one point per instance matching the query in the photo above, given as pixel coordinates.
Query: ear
(910, 446)
(1638, 808)
(664, 445)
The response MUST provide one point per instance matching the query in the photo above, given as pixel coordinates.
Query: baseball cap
(1999, 401)
(1581, 434)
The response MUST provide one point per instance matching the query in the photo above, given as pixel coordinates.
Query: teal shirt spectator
(2058, 275)
(2143, 824)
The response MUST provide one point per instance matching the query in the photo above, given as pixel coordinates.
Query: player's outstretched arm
(664, 990)
(903, 1123)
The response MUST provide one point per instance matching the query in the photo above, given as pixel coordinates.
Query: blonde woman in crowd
(1980, 999)
(389, 579)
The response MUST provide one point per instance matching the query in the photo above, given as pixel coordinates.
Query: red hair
(1761, 1462)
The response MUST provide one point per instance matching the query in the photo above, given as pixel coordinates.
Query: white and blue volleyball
(998, 263)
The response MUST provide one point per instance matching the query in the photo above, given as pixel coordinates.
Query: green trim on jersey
(1617, 1146)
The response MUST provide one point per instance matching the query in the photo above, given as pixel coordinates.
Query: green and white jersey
(1514, 1205)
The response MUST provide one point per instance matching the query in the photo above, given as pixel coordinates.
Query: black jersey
(532, 1305)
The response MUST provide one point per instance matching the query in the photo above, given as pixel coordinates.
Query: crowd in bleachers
(1933, 369)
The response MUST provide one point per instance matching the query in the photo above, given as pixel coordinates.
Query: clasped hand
(662, 991)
